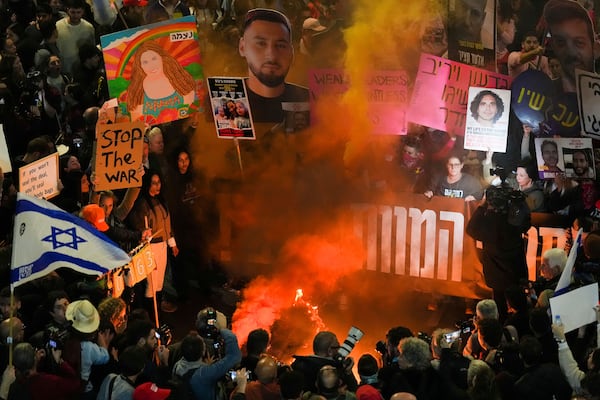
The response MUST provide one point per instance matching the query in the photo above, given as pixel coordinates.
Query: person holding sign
(158, 83)
(151, 211)
(456, 183)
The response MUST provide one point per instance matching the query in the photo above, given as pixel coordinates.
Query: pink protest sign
(386, 96)
(327, 82)
(441, 92)
(387, 93)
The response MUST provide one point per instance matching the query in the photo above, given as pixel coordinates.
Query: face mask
(409, 160)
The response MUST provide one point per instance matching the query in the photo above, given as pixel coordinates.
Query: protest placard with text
(40, 178)
(386, 92)
(119, 149)
(4, 156)
(441, 91)
(487, 120)
(231, 108)
(588, 93)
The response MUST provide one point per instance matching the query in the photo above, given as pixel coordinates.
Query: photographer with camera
(42, 385)
(500, 223)
(326, 348)
(206, 368)
(389, 348)
(486, 309)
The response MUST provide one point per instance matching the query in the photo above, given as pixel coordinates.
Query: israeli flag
(46, 238)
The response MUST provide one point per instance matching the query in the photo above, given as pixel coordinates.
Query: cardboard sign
(5, 165)
(588, 93)
(119, 153)
(231, 110)
(118, 284)
(155, 89)
(487, 120)
(140, 266)
(40, 178)
(440, 95)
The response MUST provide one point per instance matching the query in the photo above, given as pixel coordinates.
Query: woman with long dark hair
(151, 211)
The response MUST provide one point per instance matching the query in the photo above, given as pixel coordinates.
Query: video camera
(56, 337)
(206, 324)
(500, 172)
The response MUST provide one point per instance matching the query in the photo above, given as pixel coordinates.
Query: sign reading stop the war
(119, 152)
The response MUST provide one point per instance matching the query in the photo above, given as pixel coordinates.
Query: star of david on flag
(46, 238)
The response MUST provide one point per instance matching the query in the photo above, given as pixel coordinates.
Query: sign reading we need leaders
(119, 153)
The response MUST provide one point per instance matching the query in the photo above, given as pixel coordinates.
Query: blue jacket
(204, 381)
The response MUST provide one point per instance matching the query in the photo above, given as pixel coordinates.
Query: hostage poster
(230, 108)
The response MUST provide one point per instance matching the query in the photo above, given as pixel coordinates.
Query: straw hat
(84, 316)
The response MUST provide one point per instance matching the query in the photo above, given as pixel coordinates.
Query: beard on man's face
(270, 80)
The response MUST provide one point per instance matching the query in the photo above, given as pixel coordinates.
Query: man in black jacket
(325, 347)
(500, 223)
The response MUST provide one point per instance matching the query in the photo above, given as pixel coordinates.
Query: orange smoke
(313, 263)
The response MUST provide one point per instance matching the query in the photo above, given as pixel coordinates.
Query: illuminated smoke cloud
(297, 189)
(310, 262)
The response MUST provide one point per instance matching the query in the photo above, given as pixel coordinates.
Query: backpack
(181, 388)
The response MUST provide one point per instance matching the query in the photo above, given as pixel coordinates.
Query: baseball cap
(94, 214)
(368, 392)
(149, 391)
(313, 24)
(133, 3)
(266, 14)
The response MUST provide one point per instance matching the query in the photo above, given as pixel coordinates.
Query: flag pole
(236, 142)
(149, 277)
(9, 339)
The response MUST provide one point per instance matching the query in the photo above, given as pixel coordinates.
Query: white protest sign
(588, 97)
(576, 308)
(487, 119)
(4, 156)
(40, 178)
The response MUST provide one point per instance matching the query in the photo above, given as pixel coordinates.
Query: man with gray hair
(63, 383)
(415, 374)
(485, 309)
(551, 269)
(325, 348)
